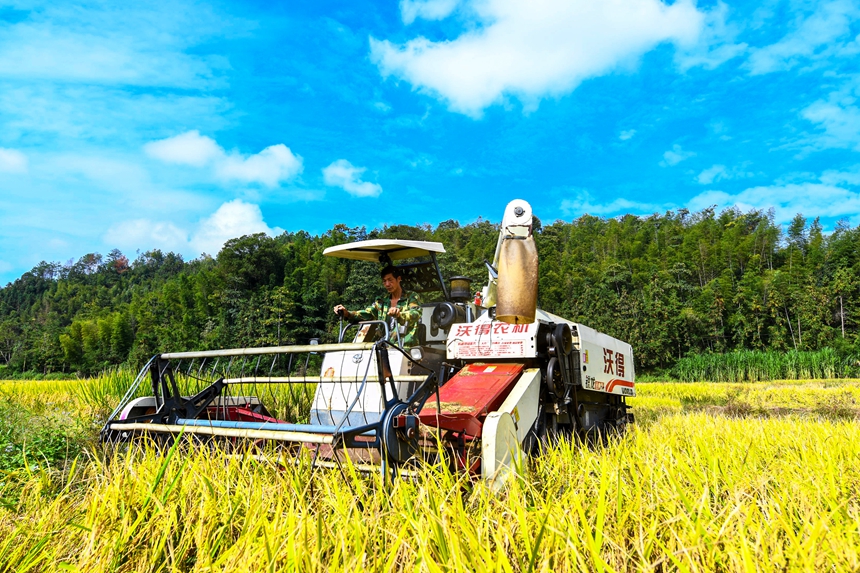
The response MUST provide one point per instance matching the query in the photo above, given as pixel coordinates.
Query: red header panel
(469, 396)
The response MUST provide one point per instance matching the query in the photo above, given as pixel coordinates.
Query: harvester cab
(488, 380)
(409, 366)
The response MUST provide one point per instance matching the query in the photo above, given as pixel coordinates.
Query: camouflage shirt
(410, 316)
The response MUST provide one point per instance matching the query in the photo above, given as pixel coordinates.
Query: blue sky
(178, 125)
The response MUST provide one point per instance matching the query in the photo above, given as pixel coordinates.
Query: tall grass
(102, 393)
(689, 488)
(691, 493)
(756, 365)
(99, 393)
(831, 399)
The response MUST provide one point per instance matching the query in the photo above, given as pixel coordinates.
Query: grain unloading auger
(486, 382)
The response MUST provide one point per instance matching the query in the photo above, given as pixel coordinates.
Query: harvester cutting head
(484, 385)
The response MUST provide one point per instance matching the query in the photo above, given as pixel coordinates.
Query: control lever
(340, 314)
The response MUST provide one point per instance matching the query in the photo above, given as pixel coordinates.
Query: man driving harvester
(404, 308)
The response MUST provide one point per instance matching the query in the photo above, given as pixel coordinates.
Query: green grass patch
(756, 365)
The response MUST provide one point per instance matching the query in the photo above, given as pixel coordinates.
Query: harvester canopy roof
(373, 249)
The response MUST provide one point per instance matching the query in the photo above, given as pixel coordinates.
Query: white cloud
(382, 106)
(625, 135)
(532, 50)
(837, 116)
(832, 177)
(787, 200)
(815, 37)
(345, 175)
(77, 112)
(584, 203)
(36, 51)
(105, 71)
(189, 148)
(715, 45)
(716, 173)
(675, 156)
(272, 166)
(145, 234)
(102, 43)
(719, 129)
(711, 174)
(111, 181)
(840, 121)
(12, 161)
(231, 220)
(410, 10)
(830, 196)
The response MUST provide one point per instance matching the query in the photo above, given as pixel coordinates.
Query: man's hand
(394, 311)
(340, 310)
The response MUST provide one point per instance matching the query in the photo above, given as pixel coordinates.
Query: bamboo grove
(676, 285)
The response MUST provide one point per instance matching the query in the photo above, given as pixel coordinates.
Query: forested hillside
(671, 285)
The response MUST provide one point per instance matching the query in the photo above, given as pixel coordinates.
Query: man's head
(390, 278)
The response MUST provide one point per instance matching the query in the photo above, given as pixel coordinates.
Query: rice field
(713, 477)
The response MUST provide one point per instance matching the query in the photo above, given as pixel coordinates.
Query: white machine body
(607, 363)
(487, 338)
(348, 372)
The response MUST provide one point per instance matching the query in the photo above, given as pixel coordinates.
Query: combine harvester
(485, 384)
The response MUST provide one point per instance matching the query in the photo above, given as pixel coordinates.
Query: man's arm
(410, 312)
(369, 313)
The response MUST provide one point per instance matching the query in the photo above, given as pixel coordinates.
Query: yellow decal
(516, 415)
(489, 368)
(329, 373)
(586, 357)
